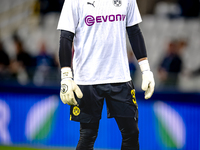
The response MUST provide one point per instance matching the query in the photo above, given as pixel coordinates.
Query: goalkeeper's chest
(103, 8)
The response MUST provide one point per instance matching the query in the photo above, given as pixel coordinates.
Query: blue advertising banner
(167, 122)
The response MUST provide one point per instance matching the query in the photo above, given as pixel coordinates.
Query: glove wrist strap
(144, 65)
(66, 73)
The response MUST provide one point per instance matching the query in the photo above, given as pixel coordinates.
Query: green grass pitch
(30, 148)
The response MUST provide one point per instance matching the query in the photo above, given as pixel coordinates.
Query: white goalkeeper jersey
(100, 38)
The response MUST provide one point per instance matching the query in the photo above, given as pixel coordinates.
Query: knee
(88, 134)
(132, 133)
(87, 139)
(130, 139)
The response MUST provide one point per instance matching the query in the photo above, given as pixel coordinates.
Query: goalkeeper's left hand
(148, 82)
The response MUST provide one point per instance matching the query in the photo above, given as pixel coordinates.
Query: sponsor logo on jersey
(91, 3)
(76, 111)
(90, 20)
(117, 3)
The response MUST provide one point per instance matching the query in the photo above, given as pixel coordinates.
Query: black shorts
(120, 100)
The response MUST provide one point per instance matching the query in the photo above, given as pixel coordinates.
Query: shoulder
(131, 2)
(71, 2)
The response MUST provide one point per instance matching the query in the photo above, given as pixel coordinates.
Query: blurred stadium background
(31, 114)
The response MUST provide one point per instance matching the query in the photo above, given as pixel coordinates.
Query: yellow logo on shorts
(133, 95)
(76, 111)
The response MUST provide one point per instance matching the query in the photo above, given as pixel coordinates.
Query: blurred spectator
(148, 6)
(186, 8)
(189, 8)
(4, 62)
(171, 65)
(21, 65)
(44, 59)
(50, 6)
(4, 58)
(44, 63)
(21, 55)
(195, 72)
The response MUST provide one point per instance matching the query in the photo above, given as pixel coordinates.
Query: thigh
(127, 125)
(121, 101)
(89, 107)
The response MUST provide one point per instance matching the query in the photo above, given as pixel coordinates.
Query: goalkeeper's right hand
(68, 87)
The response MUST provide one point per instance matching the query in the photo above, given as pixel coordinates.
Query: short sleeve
(133, 14)
(69, 16)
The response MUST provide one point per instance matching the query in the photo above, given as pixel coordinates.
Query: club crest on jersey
(117, 3)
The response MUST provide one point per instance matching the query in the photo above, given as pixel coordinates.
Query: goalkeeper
(100, 66)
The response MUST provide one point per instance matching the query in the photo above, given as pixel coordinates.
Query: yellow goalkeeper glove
(148, 82)
(69, 87)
